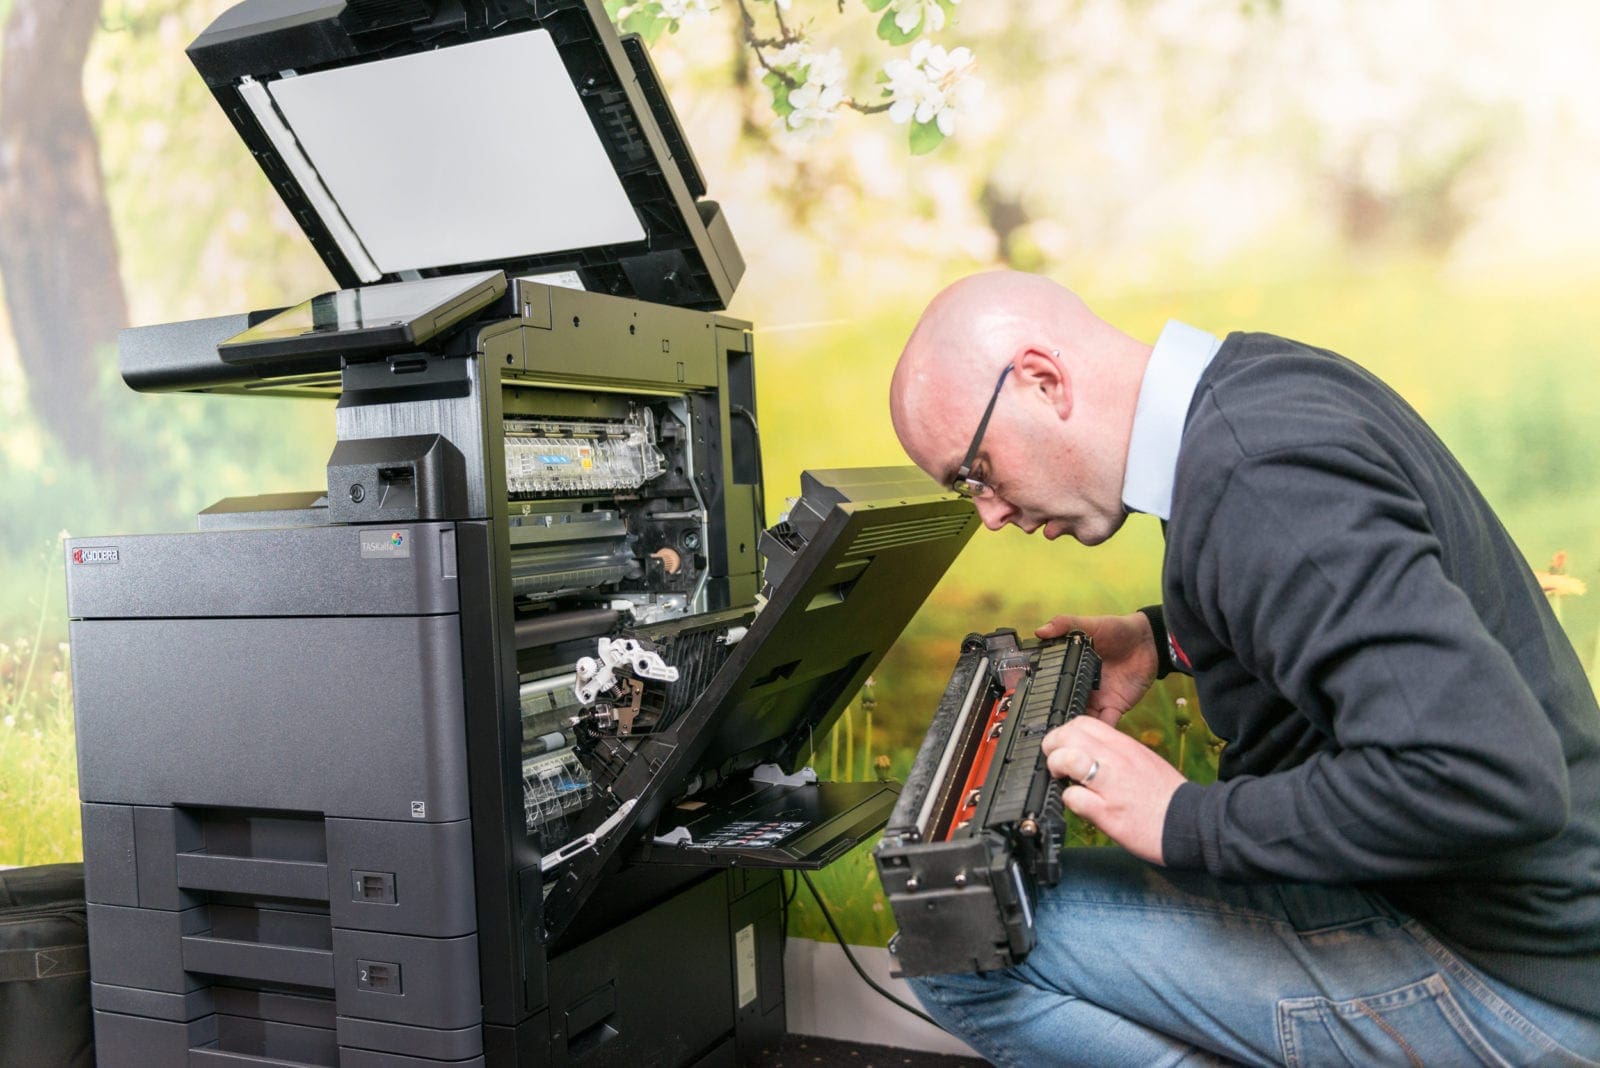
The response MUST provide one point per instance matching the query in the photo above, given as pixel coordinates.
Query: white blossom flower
(11, 721)
(817, 99)
(932, 86)
(909, 14)
(953, 72)
(680, 9)
(674, 10)
(826, 68)
(912, 92)
(793, 54)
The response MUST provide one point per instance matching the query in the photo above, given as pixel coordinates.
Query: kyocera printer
(486, 752)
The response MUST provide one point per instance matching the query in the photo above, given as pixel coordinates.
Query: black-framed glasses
(964, 483)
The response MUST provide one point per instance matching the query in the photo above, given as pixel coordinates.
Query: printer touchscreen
(377, 317)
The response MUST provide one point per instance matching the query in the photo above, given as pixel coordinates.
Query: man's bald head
(970, 331)
(1076, 379)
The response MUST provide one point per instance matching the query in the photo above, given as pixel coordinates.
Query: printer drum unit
(980, 825)
(564, 457)
(547, 570)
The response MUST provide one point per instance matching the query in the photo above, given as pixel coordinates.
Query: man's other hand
(1128, 664)
(1119, 785)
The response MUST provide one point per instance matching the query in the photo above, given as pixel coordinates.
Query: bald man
(1400, 862)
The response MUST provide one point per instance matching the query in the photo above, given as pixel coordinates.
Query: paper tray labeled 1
(759, 825)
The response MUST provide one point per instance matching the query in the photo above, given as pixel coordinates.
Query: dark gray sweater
(1402, 709)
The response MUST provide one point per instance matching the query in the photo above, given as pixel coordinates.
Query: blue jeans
(1140, 966)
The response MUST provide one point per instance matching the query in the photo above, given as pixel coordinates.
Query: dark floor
(795, 1051)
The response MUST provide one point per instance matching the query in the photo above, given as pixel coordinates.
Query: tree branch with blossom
(924, 91)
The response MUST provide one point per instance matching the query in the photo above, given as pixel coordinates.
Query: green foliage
(890, 31)
(39, 782)
(643, 18)
(925, 137)
(780, 93)
(38, 767)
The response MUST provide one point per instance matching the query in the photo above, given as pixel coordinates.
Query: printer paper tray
(757, 825)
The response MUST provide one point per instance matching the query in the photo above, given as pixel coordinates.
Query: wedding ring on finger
(1088, 776)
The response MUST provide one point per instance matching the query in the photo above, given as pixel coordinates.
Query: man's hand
(1127, 649)
(1120, 786)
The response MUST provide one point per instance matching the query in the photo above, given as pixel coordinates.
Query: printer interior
(484, 752)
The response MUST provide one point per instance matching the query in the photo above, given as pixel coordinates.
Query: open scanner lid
(414, 138)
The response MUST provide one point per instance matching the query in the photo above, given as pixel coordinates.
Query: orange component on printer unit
(981, 760)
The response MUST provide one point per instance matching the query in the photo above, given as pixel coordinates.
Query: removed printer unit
(980, 825)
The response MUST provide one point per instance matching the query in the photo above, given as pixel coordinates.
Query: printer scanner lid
(415, 138)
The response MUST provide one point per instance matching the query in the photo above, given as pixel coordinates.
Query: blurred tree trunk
(1006, 214)
(58, 253)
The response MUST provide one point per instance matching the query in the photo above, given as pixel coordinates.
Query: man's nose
(994, 512)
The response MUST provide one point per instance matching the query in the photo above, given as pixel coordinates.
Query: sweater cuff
(1158, 630)
(1180, 834)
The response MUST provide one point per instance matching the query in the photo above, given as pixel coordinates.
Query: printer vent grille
(364, 15)
(874, 539)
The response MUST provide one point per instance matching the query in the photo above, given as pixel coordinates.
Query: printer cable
(755, 435)
(839, 937)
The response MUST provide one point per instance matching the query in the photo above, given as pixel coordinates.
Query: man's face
(1037, 479)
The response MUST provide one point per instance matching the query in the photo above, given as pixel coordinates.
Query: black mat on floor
(808, 1051)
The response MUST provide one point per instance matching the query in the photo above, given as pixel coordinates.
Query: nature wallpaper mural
(1405, 185)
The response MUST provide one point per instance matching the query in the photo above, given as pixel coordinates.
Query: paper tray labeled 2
(759, 825)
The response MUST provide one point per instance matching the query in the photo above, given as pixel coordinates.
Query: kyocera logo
(101, 555)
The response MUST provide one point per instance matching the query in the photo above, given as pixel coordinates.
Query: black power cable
(784, 898)
(761, 489)
(839, 937)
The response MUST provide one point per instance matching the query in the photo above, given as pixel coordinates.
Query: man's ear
(1043, 370)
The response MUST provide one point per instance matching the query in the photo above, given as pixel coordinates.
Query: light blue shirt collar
(1180, 357)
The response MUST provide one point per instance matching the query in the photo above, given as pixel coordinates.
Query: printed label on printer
(564, 279)
(99, 554)
(745, 963)
(380, 544)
